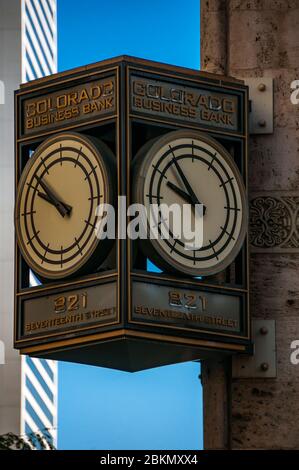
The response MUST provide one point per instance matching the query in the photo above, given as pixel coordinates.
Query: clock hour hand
(48, 199)
(59, 205)
(192, 195)
(180, 192)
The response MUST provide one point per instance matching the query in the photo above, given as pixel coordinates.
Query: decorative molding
(274, 222)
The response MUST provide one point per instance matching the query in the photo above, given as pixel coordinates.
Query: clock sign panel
(62, 184)
(187, 167)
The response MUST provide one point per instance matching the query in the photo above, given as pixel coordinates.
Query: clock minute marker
(227, 181)
(227, 233)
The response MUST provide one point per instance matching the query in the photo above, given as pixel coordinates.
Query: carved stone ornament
(274, 222)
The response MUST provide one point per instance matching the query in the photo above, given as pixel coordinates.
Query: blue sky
(100, 408)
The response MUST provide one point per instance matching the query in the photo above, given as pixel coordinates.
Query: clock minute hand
(192, 194)
(59, 206)
(48, 199)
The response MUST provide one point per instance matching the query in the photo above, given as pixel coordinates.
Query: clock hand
(59, 206)
(48, 199)
(180, 192)
(187, 185)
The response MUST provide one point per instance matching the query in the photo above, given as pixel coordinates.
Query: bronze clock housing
(106, 305)
(63, 183)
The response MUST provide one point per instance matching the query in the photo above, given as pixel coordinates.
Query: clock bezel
(150, 247)
(99, 249)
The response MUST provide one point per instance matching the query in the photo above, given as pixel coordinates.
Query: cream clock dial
(187, 167)
(64, 181)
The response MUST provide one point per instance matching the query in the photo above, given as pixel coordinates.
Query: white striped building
(28, 30)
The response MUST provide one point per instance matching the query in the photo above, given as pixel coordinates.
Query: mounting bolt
(262, 123)
(264, 366)
(261, 87)
(263, 330)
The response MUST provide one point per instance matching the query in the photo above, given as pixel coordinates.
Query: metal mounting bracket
(263, 362)
(261, 105)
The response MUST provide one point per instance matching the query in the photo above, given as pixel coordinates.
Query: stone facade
(259, 38)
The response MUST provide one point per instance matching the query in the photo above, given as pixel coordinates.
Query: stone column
(262, 41)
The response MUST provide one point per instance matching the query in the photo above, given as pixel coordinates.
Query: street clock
(64, 181)
(189, 167)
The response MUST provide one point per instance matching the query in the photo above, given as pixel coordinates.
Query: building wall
(28, 50)
(259, 38)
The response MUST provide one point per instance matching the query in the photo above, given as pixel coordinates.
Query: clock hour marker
(173, 246)
(211, 162)
(159, 171)
(228, 181)
(43, 162)
(232, 208)
(60, 154)
(45, 253)
(171, 149)
(31, 186)
(95, 197)
(61, 256)
(79, 247)
(227, 233)
(154, 196)
(78, 156)
(32, 238)
(91, 172)
(28, 213)
(91, 225)
(214, 250)
(192, 147)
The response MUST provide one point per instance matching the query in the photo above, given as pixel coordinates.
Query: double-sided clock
(62, 184)
(189, 167)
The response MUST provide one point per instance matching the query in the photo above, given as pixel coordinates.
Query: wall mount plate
(261, 105)
(263, 362)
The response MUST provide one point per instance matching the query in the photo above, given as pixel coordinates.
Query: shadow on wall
(2, 353)
(2, 93)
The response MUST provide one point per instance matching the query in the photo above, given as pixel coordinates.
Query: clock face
(60, 188)
(187, 167)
